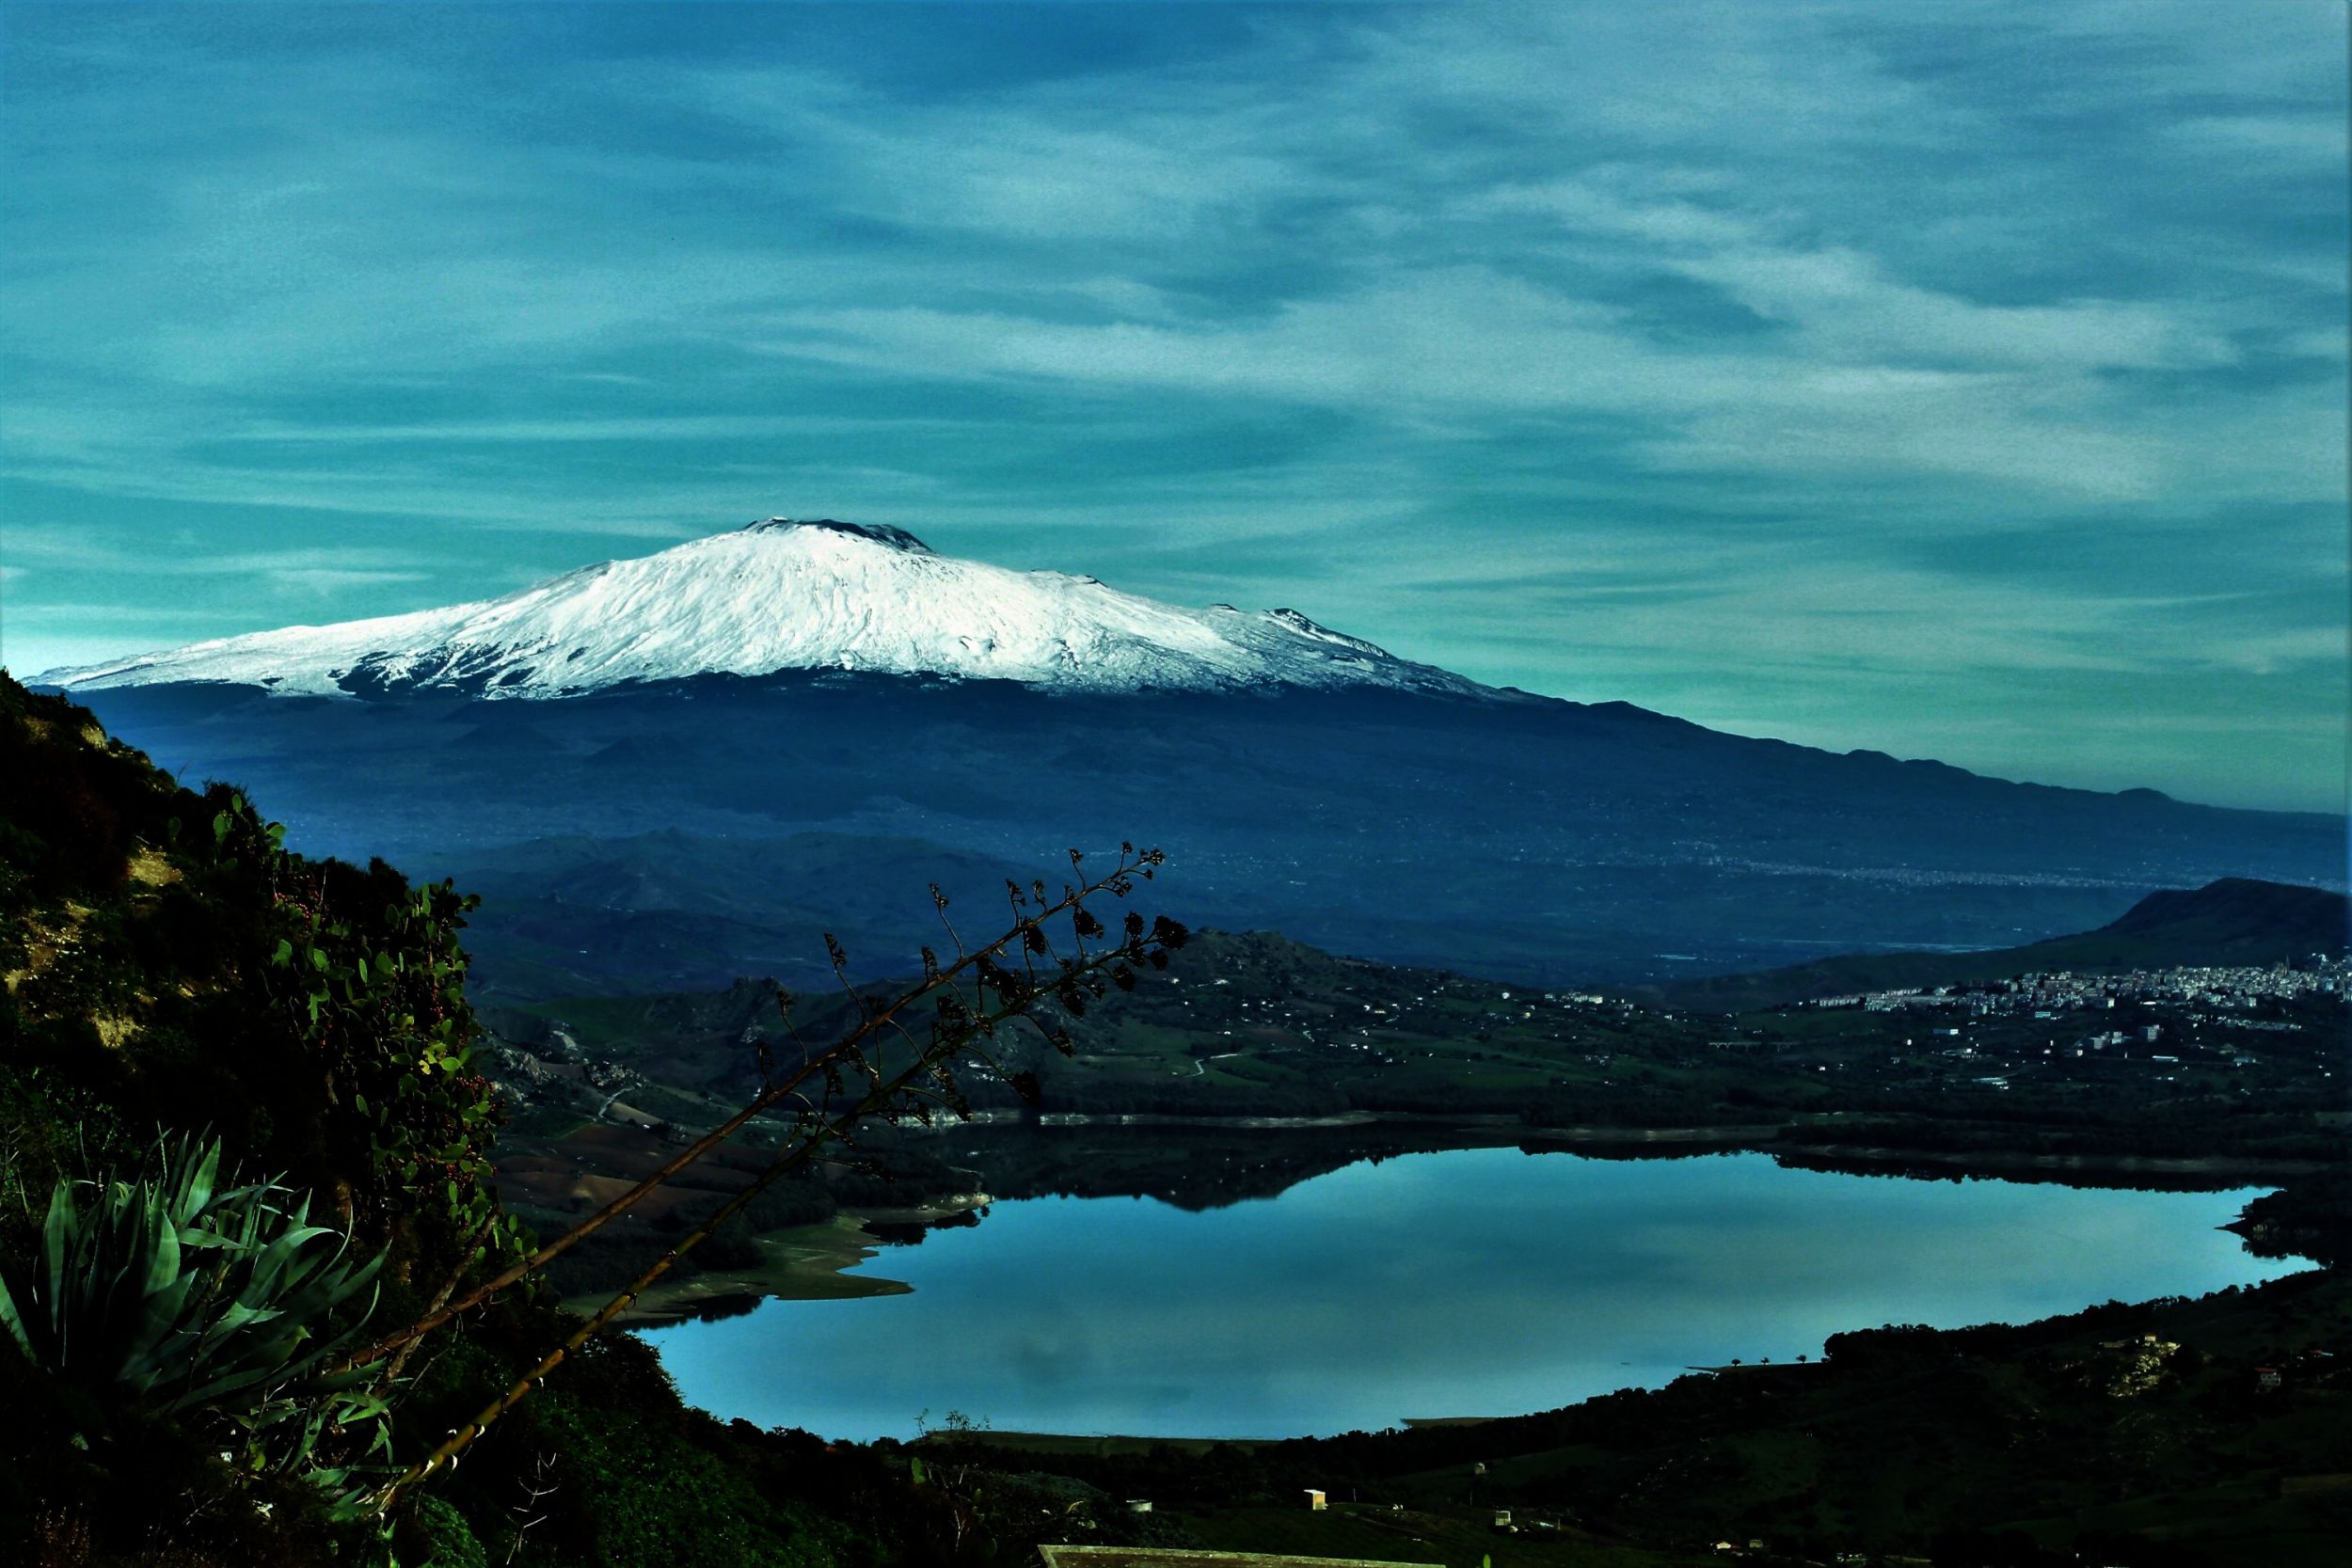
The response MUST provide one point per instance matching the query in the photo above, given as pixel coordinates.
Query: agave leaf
(160, 1250)
(237, 1314)
(197, 1191)
(60, 1232)
(160, 1320)
(186, 1291)
(10, 1318)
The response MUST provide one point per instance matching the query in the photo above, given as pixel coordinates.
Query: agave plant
(178, 1294)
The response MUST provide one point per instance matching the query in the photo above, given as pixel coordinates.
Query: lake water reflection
(1471, 1283)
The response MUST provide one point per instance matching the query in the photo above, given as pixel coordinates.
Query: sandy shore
(809, 1263)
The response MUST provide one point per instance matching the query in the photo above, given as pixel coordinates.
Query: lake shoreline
(810, 1262)
(819, 1262)
(1800, 1138)
(1080, 1314)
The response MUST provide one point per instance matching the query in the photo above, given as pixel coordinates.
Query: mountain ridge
(790, 595)
(1535, 840)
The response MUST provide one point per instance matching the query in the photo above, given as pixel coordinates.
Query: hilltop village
(2046, 995)
(2180, 1019)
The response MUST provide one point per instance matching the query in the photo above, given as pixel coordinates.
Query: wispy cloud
(716, 427)
(1298, 305)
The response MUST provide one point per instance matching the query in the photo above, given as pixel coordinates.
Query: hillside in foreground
(172, 973)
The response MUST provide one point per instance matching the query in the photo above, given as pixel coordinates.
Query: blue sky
(1957, 379)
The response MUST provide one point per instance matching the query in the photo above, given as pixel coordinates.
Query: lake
(1479, 1282)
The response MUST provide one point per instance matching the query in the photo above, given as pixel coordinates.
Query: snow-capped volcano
(787, 594)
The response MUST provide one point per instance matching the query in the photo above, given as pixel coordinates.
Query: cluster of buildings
(2063, 992)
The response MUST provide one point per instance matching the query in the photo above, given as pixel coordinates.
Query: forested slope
(171, 970)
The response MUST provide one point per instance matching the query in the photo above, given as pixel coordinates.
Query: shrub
(175, 1295)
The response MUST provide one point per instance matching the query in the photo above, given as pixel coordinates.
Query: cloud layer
(1959, 378)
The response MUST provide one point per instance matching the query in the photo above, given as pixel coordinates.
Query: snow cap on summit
(790, 593)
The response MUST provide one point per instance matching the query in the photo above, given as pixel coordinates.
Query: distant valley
(2145, 1066)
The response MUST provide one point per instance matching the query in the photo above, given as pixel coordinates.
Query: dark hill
(1536, 841)
(2239, 915)
(676, 910)
(2236, 922)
